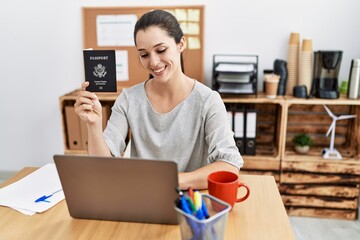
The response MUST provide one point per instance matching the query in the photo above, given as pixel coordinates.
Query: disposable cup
(271, 86)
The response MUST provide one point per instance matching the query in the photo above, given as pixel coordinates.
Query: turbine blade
(346, 117)
(332, 125)
(329, 112)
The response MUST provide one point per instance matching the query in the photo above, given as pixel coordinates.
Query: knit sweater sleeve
(219, 134)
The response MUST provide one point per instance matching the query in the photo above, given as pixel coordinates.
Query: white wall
(41, 55)
(263, 28)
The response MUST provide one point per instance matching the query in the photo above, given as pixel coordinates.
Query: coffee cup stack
(293, 62)
(305, 66)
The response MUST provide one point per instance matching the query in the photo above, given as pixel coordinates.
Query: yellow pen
(197, 200)
(198, 205)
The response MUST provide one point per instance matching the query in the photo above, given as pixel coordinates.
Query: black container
(300, 91)
(280, 68)
(325, 76)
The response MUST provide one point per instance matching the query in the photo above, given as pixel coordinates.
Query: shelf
(261, 163)
(315, 154)
(260, 98)
(311, 185)
(102, 96)
(269, 124)
(267, 160)
(309, 116)
(343, 100)
(75, 152)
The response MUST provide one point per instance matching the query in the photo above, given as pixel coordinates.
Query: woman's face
(159, 53)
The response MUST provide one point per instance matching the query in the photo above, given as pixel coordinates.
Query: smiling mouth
(159, 71)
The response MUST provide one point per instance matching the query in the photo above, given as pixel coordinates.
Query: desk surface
(261, 216)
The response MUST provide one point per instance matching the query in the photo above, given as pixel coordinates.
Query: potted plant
(302, 142)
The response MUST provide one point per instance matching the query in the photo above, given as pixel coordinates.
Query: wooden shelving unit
(269, 130)
(309, 184)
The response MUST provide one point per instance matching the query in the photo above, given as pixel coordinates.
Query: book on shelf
(100, 70)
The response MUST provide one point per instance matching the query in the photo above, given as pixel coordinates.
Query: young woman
(170, 115)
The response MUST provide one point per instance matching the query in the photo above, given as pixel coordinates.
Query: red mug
(224, 186)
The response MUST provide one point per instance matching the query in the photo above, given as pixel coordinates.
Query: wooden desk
(261, 216)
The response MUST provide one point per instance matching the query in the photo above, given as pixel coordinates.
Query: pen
(185, 208)
(184, 205)
(204, 209)
(191, 204)
(44, 198)
(191, 193)
(200, 214)
(197, 200)
(198, 205)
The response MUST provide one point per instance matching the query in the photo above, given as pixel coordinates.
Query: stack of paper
(35, 193)
(235, 67)
(234, 88)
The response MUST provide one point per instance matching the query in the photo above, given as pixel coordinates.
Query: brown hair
(164, 20)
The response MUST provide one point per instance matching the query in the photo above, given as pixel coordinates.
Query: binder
(73, 128)
(250, 135)
(239, 125)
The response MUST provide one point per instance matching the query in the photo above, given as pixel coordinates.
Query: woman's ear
(182, 44)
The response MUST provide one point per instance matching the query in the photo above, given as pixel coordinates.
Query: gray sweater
(195, 133)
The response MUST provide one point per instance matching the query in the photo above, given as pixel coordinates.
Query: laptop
(119, 189)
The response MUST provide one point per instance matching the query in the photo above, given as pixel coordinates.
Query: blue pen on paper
(44, 198)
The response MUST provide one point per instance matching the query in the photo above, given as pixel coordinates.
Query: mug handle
(247, 192)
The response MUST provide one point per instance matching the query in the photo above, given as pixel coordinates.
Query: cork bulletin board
(100, 21)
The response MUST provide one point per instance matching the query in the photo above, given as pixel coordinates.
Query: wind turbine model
(332, 153)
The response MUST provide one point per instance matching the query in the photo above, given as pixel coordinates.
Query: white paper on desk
(24, 211)
(22, 194)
